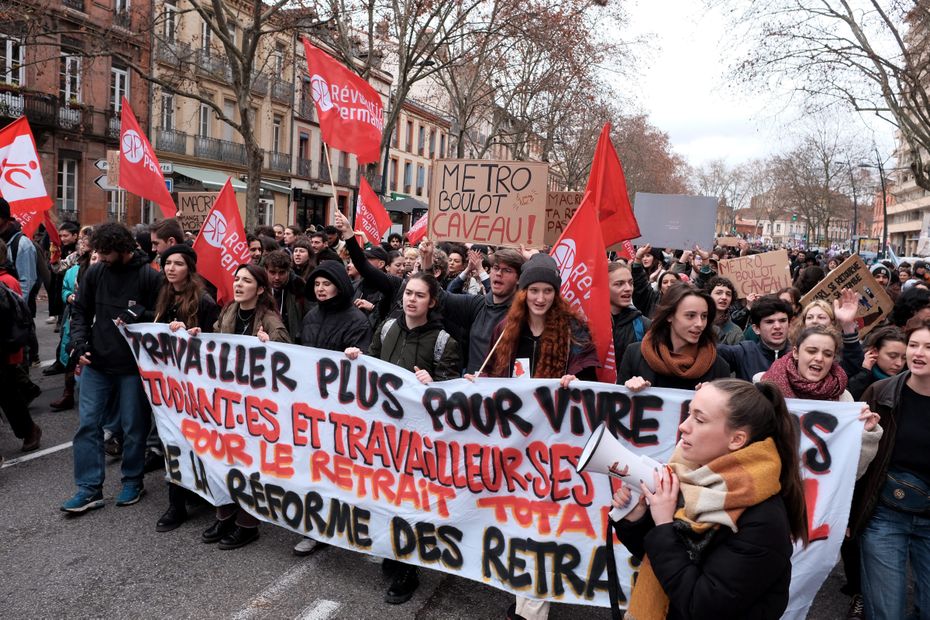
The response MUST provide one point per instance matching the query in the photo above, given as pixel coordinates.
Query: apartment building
(908, 207)
(72, 99)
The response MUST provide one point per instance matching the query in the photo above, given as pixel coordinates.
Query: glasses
(504, 270)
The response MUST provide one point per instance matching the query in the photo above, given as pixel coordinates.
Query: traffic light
(794, 217)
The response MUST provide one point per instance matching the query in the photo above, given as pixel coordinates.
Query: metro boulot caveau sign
(477, 479)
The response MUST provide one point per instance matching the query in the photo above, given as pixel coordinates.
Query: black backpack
(15, 321)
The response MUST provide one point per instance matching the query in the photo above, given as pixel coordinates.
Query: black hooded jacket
(335, 324)
(629, 326)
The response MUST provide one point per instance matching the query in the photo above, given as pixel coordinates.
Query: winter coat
(629, 326)
(364, 290)
(582, 355)
(478, 315)
(270, 321)
(106, 292)
(394, 342)
(728, 333)
(11, 282)
(634, 364)
(207, 314)
(68, 288)
(645, 298)
(742, 574)
(747, 358)
(335, 324)
(295, 307)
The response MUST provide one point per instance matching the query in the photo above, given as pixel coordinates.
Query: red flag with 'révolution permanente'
(139, 170)
(370, 216)
(221, 245)
(582, 262)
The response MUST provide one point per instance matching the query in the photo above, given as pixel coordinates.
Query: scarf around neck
(784, 373)
(713, 495)
(692, 362)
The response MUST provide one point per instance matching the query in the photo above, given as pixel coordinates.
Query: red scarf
(784, 373)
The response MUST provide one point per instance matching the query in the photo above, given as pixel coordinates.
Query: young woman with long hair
(680, 348)
(715, 539)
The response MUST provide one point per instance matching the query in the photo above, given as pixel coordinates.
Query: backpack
(16, 320)
(388, 345)
(43, 275)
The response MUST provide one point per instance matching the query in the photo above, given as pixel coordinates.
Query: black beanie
(181, 248)
(540, 268)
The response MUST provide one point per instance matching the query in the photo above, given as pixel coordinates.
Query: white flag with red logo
(221, 245)
(418, 230)
(21, 182)
(139, 170)
(370, 215)
(582, 261)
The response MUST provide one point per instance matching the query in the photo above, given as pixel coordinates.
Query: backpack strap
(13, 246)
(389, 337)
(439, 348)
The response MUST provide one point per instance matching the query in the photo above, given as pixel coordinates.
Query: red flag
(350, 110)
(139, 170)
(370, 216)
(21, 182)
(52, 230)
(221, 245)
(608, 192)
(582, 262)
(418, 230)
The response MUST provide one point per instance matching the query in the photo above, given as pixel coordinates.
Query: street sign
(101, 164)
(167, 167)
(101, 182)
(169, 183)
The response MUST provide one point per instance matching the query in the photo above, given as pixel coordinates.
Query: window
(203, 121)
(69, 78)
(116, 202)
(778, 228)
(442, 145)
(421, 140)
(392, 174)
(409, 142)
(229, 109)
(408, 177)
(395, 137)
(167, 112)
(11, 61)
(277, 60)
(421, 179)
(303, 146)
(276, 134)
(67, 187)
(120, 6)
(432, 143)
(119, 87)
(171, 22)
(206, 37)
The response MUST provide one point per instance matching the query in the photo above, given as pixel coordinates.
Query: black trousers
(13, 402)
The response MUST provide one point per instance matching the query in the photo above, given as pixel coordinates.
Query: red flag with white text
(607, 186)
(21, 182)
(582, 261)
(139, 170)
(350, 110)
(221, 245)
(370, 216)
(418, 230)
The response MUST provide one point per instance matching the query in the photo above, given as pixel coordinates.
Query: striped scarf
(714, 495)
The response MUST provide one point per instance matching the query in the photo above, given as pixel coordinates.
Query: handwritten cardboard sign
(759, 273)
(874, 302)
(560, 208)
(675, 221)
(193, 208)
(489, 202)
(727, 242)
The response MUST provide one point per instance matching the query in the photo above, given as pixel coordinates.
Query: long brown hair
(761, 409)
(187, 299)
(554, 344)
(661, 328)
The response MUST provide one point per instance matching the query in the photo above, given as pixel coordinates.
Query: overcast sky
(682, 85)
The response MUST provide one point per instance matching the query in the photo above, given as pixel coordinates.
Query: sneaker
(130, 494)
(113, 446)
(82, 502)
(406, 581)
(57, 368)
(305, 547)
(51, 319)
(856, 608)
(36, 363)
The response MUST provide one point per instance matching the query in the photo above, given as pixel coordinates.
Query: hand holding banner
(139, 170)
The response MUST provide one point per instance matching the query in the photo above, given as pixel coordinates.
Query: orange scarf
(692, 362)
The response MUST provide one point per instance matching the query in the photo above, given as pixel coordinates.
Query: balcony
(12, 104)
(212, 65)
(70, 117)
(123, 19)
(77, 5)
(260, 84)
(305, 108)
(304, 167)
(281, 91)
(171, 141)
(344, 176)
(173, 53)
(279, 162)
(324, 172)
(113, 124)
(220, 150)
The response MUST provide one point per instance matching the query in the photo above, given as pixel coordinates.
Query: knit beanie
(181, 248)
(540, 268)
(880, 268)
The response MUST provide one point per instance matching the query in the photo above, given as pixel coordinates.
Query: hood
(139, 258)
(432, 323)
(335, 272)
(626, 316)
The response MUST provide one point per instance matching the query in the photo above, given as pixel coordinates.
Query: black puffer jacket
(743, 574)
(629, 326)
(409, 348)
(335, 324)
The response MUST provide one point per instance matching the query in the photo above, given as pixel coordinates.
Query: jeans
(97, 389)
(888, 541)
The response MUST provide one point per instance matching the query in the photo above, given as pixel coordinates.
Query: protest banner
(874, 302)
(675, 221)
(473, 479)
(560, 207)
(193, 209)
(761, 274)
(728, 242)
(489, 202)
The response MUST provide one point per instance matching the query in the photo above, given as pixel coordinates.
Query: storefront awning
(213, 179)
(276, 187)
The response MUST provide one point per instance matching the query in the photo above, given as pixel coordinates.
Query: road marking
(46, 363)
(318, 610)
(263, 602)
(35, 455)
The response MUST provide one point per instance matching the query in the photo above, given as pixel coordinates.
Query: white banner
(474, 479)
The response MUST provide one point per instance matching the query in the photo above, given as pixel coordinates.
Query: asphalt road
(111, 563)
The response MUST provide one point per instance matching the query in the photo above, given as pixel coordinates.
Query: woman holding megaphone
(715, 538)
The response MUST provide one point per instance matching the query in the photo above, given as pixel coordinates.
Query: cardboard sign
(113, 168)
(560, 208)
(674, 221)
(489, 202)
(193, 208)
(874, 302)
(731, 242)
(759, 273)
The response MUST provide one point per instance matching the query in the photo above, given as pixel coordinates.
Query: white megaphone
(603, 454)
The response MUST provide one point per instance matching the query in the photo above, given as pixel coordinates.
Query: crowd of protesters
(448, 310)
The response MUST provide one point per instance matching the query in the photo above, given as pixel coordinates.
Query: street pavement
(110, 563)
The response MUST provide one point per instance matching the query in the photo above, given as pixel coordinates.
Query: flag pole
(329, 167)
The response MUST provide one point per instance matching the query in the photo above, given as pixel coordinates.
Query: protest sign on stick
(874, 302)
(675, 221)
(193, 209)
(489, 202)
(560, 208)
(760, 274)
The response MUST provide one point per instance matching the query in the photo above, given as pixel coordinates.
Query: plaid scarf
(784, 373)
(714, 495)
